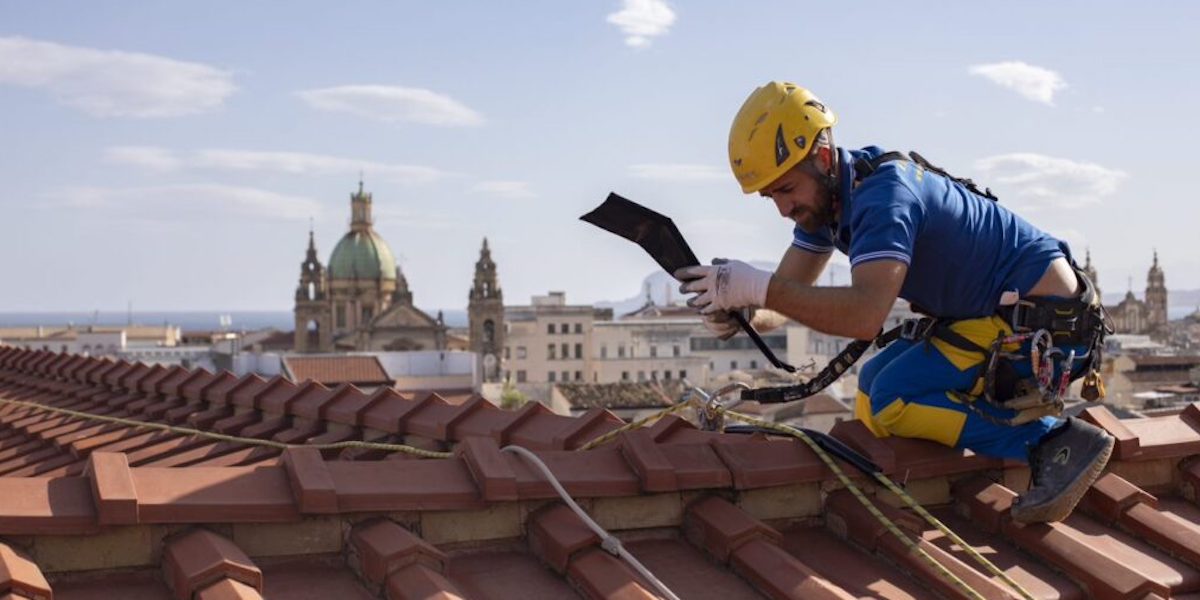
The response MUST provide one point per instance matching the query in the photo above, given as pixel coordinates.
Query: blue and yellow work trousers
(902, 391)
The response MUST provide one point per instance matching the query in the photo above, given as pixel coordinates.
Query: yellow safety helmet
(773, 132)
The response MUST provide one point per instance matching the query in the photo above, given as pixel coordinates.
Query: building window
(549, 351)
(507, 354)
(682, 374)
(550, 376)
(653, 351)
(579, 328)
(520, 376)
(578, 350)
(566, 328)
(566, 351)
(620, 350)
(641, 375)
(667, 374)
(653, 375)
(566, 376)
(675, 350)
(624, 375)
(733, 365)
(754, 364)
(603, 352)
(520, 352)
(550, 328)
(578, 375)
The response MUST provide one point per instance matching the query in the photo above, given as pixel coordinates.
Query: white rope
(609, 543)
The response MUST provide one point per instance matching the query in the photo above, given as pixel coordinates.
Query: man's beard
(821, 217)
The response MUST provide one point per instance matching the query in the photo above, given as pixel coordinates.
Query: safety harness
(1049, 325)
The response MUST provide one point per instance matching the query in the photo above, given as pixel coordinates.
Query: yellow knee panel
(982, 332)
(905, 419)
(862, 412)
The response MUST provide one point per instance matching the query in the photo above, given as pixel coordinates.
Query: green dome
(362, 255)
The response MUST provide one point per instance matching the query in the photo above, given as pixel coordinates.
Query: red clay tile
(780, 575)
(1111, 495)
(274, 397)
(20, 576)
(228, 589)
(299, 433)
(200, 558)
(312, 579)
(214, 495)
(507, 574)
(343, 407)
(652, 466)
(601, 575)
(388, 409)
(193, 389)
(393, 485)
(311, 483)
(429, 418)
(769, 463)
(217, 392)
(476, 417)
(168, 384)
(131, 380)
(532, 426)
(418, 582)
(697, 466)
(598, 472)
(586, 427)
(719, 527)
(46, 506)
(1127, 445)
(383, 547)
(112, 377)
(673, 429)
(856, 435)
(491, 468)
(243, 394)
(556, 533)
(1165, 437)
(233, 424)
(112, 488)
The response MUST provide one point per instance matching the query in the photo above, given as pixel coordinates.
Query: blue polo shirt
(962, 250)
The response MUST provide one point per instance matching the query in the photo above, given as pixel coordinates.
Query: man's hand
(725, 286)
(721, 324)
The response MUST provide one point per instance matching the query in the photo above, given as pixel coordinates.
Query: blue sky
(172, 154)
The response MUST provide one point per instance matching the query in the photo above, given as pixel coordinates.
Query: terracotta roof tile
(332, 370)
(712, 515)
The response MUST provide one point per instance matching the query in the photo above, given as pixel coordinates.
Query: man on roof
(1014, 320)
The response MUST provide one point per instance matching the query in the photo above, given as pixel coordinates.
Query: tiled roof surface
(333, 370)
(93, 510)
(624, 394)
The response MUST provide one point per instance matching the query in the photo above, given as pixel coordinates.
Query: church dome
(362, 255)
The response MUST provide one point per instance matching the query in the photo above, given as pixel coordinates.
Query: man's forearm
(844, 311)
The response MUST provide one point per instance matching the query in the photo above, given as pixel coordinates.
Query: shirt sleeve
(885, 220)
(818, 243)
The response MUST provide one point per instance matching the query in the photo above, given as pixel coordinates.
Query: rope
(607, 541)
(607, 437)
(229, 438)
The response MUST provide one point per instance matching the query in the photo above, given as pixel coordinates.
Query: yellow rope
(229, 438)
(605, 438)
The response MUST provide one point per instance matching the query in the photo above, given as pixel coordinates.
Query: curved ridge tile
(21, 576)
(201, 558)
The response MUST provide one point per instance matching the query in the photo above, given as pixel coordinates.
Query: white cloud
(1047, 182)
(393, 104)
(641, 20)
(148, 157)
(505, 189)
(187, 202)
(111, 83)
(679, 173)
(1032, 82)
(283, 162)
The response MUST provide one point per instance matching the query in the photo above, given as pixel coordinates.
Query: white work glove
(725, 286)
(722, 325)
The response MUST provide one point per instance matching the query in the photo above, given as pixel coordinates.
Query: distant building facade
(1147, 316)
(362, 300)
(549, 341)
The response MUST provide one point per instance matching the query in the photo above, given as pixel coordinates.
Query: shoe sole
(1061, 508)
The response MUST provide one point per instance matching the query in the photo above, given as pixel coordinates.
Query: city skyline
(182, 174)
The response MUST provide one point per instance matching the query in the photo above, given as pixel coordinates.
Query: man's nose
(783, 207)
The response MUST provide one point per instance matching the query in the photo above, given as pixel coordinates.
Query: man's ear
(826, 154)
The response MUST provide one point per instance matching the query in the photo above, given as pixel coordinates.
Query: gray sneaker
(1062, 467)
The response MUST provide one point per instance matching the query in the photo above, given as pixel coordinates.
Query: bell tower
(485, 311)
(1156, 298)
(313, 332)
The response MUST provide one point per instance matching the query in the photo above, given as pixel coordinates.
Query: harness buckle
(1019, 311)
(916, 330)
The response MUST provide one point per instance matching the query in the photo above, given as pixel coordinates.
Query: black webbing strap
(836, 367)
